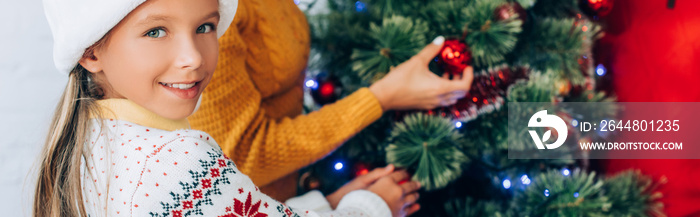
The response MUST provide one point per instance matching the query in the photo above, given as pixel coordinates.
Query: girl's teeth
(180, 86)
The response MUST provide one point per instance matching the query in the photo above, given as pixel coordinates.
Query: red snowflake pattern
(187, 204)
(206, 183)
(246, 208)
(197, 194)
(215, 172)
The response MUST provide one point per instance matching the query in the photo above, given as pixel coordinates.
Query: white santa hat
(78, 24)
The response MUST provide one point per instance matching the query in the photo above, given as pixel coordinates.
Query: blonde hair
(58, 189)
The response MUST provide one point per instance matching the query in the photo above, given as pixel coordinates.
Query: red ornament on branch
(598, 8)
(326, 90)
(509, 10)
(454, 57)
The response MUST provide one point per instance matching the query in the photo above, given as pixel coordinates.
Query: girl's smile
(184, 90)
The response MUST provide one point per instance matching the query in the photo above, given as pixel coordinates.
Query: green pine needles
(470, 207)
(395, 41)
(538, 88)
(489, 40)
(557, 45)
(426, 146)
(444, 18)
(577, 193)
(633, 194)
(582, 194)
(555, 194)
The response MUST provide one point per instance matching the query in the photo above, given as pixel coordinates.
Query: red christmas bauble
(454, 56)
(508, 10)
(599, 8)
(326, 91)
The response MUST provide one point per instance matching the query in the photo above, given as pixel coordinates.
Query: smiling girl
(120, 144)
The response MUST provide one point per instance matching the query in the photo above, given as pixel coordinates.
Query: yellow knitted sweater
(253, 104)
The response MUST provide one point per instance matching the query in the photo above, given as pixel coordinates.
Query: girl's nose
(188, 56)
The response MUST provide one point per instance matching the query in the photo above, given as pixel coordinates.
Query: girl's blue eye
(206, 28)
(156, 33)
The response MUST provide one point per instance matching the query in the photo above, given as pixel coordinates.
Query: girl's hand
(361, 182)
(400, 198)
(411, 85)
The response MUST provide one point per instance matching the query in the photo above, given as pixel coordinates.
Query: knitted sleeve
(266, 148)
(190, 176)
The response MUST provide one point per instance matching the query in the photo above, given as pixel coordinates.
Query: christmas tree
(521, 51)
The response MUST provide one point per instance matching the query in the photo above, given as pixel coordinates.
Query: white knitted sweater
(139, 165)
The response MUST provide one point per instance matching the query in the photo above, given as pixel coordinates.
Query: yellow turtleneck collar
(124, 109)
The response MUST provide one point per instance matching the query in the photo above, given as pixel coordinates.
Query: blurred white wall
(30, 87)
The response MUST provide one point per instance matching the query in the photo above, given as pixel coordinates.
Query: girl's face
(160, 56)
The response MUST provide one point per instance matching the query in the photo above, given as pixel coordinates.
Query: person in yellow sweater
(253, 104)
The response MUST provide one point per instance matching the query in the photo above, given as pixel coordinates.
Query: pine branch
(328, 29)
(554, 194)
(556, 45)
(469, 207)
(445, 18)
(426, 146)
(395, 41)
(488, 39)
(537, 88)
(632, 194)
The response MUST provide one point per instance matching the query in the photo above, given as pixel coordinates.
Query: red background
(653, 55)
